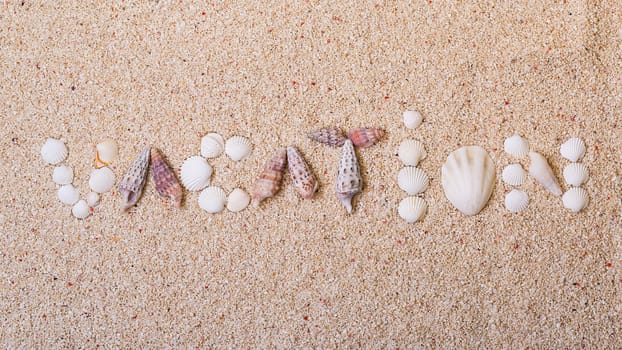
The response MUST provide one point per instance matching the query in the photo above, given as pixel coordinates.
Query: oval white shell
(575, 174)
(212, 145)
(212, 199)
(411, 152)
(514, 175)
(573, 149)
(412, 209)
(92, 199)
(68, 194)
(81, 209)
(195, 173)
(238, 200)
(516, 201)
(542, 172)
(238, 148)
(575, 199)
(516, 146)
(107, 151)
(412, 180)
(62, 175)
(467, 177)
(53, 151)
(412, 119)
(101, 180)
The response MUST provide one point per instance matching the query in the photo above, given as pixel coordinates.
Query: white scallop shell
(212, 145)
(212, 199)
(238, 200)
(92, 199)
(542, 172)
(195, 173)
(412, 209)
(101, 180)
(514, 175)
(516, 201)
(467, 177)
(411, 152)
(575, 199)
(575, 174)
(53, 151)
(412, 180)
(516, 146)
(238, 148)
(67, 194)
(81, 209)
(412, 119)
(573, 149)
(62, 175)
(107, 151)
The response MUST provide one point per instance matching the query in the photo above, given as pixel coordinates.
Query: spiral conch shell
(349, 181)
(165, 180)
(269, 181)
(133, 182)
(365, 137)
(302, 177)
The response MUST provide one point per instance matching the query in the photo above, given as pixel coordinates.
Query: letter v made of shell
(165, 179)
(133, 182)
(349, 181)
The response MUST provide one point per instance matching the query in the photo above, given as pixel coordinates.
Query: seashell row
(329, 136)
(365, 137)
(575, 174)
(575, 199)
(166, 182)
(269, 181)
(514, 175)
(573, 149)
(349, 182)
(411, 152)
(195, 173)
(516, 201)
(542, 172)
(412, 119)
(516, 146)
(133, 182)
(412, 209)
(302, 177)
(106, 152)
(412, 180)
(238, 148)
(212, 145)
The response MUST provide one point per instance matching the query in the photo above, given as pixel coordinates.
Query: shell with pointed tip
(212, 145)
(195, 173)
(468, 176)
(349, 181)
(62, 175)
(81, 209)
(412, 180)
(542, 172)
(238, 200)
(575, 174)
(212, 199)
(133, 182)
(269, 181)
(411, 152)
(516, 201)
(92, 199)
(67, 194)
(238, 148)
(329, 136)
(516, 146)
(166, 182)
(106, 152)
(303, 179)
(53, 151)
(101, 180)
(365, 137)
(412, 119)
(575, 199)
(412, 209)
(573, 149)
(514, 175)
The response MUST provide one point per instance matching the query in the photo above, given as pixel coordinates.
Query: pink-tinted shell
(365, 137)
(269, 181)
(165, 179)
(302, 177)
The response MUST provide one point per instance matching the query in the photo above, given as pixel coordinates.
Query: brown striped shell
(302, 177)
(329, 136)
(365, 137)
(165, 179)
(269, 181)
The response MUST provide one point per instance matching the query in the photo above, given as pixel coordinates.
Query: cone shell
(575, 199)
(516, 201)
(412, 209)
(133, 182)
(514, 175)
(53, 151)
(412, 180)
(542, 172)
(106, 153)
(575, 174)
(365, 137)
(411, 152)
(573, 149)
(165, 180)
(329, 136)
(516, 146)
(269, 181)
(303, 179)
(349, 181)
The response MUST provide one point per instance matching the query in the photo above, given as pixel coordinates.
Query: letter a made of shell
(133, 182)
(365, 137)
(269, 182)
(329, 136)
(302, 177)
(165, 180)
(349, 181)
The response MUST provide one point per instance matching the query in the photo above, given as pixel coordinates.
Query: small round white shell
(573, 149)
(514, 175)
(575, 174)
(516, 146)
(53, 151)
(412, 180)
(238, 200)
(212, 145)
(412, 209)
(575, 199)
(92, 199)
(212, 199)
(101, 180)
(411, 152)
(412, 119)
(516, 201)
(81, 209)
(107, 151)
(67, 194)
(195, 173)
(238, 148)
(62, 175)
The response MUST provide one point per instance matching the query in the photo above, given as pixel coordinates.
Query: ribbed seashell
(238, 200)
(329, 136)
(412, 209)
(412, 119)
(67, 194)
(106, 152)
(303, 179)
(575, 199)
(516, 145)
(133, 182)
(516, 201)
(62, 175)
(92, 199)
(575, 174)
(269, 181)
(412, 180)
(573, 149)
(213, 199)
(195, 173)
(411, 152)
(238, 148)
(468, 177)
(542, 172)
(166, 182)
(365, 137)
(81, 209)
(212, 145)
(349, 181)
(53, 151)
(514, 175)
(101, 180)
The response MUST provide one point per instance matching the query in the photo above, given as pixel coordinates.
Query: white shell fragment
(212, 199)
(81, 209)
(412, 180)
(411, 152)
(107, 152)
(238, 148)
(212, 145)
(575, 174)
(516, 146)
(467, 177)
(238, 200)
(62, 175)
(53, 151)
(412, 209)
(573, 149)
(195, 173)
(516, 201)
(92, 199)
(575, 199)
(514, 175)
(412, 119)
(68, 194)
(542, 172)
(101, 180)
